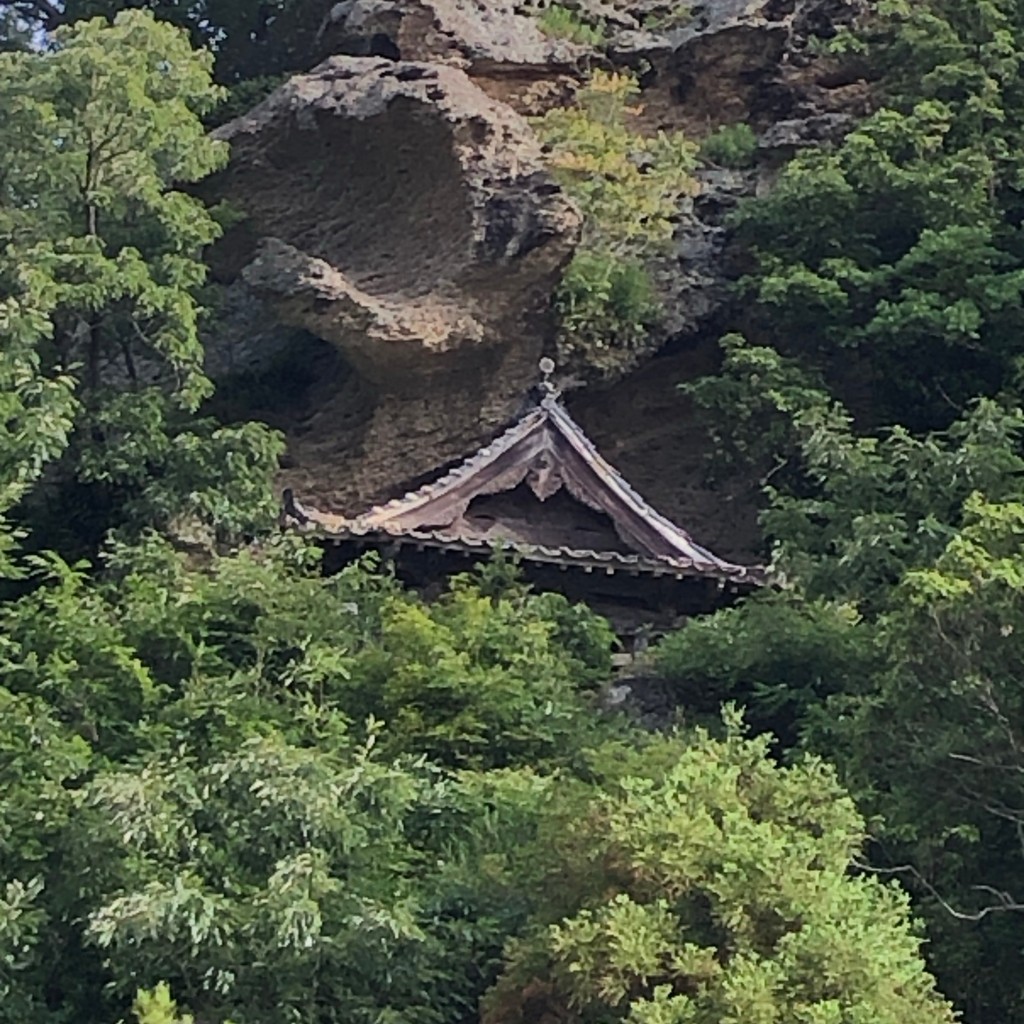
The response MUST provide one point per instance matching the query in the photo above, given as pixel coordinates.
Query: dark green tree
(895, 258)
(890, 646)
(101, 278)
(251, 39)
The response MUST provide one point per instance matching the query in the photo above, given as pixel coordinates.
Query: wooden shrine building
(541, 492)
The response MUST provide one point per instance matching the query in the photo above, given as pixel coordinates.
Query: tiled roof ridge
(574, 432)
(500, 443)
(725, 571)
(549, 410)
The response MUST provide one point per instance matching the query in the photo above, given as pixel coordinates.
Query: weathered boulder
(481, 35)
(397, 212)
(720, 61)
(497, 42)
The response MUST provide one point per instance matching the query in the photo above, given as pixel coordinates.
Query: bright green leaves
(484, 682)
(41, 763)
(65, 644)
(931, 745)
(470, 680)
(106, 127)
(37, 411)
(100, 278)
(600, 956)
(604, 303)
(272, 876)
(193, 478)
(629, 188)
(954, 636)
(602, 163)
(197, 775)
(724, 896)
(21, 925)
(157, 1007)
(292, 798)
(910, 684)
(564, 23)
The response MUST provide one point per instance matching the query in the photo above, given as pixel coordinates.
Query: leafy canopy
(101, 277)
(878, 401)
(294, 798)
(900, 249)
(719, 891)
(629, 188)
(249, 41)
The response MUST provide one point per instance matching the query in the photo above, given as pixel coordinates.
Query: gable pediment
(544, 454)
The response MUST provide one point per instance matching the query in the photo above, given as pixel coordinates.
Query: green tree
(730, 145)
(40, 765)
(934, 748)
(781, 656)
(100, 273)
(482, 682)
(225, 796)
(205, 797)
(898, 252)
(893, 650)
(564, 23)
(719, 890)
(849, 512)
(157, 1007)
(248, 40)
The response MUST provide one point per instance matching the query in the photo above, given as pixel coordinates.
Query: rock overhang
(394, 202)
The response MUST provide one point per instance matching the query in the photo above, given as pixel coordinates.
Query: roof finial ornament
(547, 368)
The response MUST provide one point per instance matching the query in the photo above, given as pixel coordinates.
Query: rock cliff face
(398, 214)
(494, 38)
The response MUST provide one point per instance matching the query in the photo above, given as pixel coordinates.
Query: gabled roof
(547, 450)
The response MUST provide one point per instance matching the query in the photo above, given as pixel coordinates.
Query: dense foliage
(720, 892)
(233, 790)
(902, 246)
(200, 790)
(288, 798)
(877, 394)
(100, 281)
(249, 41)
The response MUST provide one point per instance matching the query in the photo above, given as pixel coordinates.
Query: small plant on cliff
(603, 299)
(629, 187)
(564, 23)
(673, 16)
(730, 145)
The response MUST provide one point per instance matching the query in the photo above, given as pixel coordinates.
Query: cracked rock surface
(479, 34)
(397, 212)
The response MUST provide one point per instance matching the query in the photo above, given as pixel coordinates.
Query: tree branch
(42, 10)
(1004, 901)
